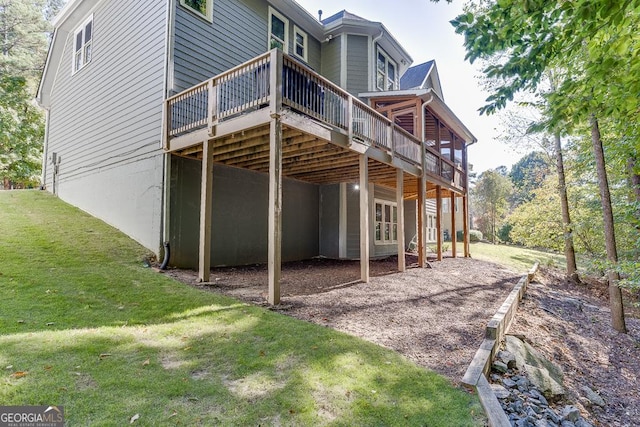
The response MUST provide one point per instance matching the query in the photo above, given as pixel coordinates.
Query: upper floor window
(83, 38)
(300, 43)
(278, 30)
(386, 72)
(202, 8)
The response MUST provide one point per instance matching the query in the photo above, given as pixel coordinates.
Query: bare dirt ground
(437, 316)
(571, 325)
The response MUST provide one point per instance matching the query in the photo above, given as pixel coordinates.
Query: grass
(516, 257)
(84, 325)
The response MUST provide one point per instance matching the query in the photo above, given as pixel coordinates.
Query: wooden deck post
(454, 251)
(206, 195)
(439, 222)
(400, 213)
(364, 218)
(422, 241)
(465, 225)
(275, 210)
(275, 179)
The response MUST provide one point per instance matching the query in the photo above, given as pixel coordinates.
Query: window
(386, 222)
(387, 77)
(278, 30)
(300, 48)
(82, 45)
(202, 8)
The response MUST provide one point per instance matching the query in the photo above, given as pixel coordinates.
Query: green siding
(357, 64)
(331, 54)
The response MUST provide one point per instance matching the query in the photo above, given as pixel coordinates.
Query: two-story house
(248, 131)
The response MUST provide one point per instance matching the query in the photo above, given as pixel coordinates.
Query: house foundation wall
(239, 216)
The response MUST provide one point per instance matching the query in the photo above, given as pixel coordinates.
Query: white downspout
(45, 150)
(372, 80)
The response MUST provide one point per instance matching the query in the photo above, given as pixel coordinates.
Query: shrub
(475, 235)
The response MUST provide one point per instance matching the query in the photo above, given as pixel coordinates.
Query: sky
(422, 27)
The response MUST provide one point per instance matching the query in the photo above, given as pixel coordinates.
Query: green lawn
(516, 257)
(83, 324)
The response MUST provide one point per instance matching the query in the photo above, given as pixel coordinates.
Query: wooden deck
(276, 116)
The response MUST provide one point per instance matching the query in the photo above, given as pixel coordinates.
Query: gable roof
(422, 76)
(343, 14)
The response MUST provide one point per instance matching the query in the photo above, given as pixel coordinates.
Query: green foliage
(475, 236)
(21, 133)
(528, 174)
(23, 44)
(504, 233)
(489, 198)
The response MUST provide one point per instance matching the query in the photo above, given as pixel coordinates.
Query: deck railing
(247, 88)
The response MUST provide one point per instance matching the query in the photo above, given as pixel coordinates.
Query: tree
(490, 201)
(21, 133)
(528, 174)
(597, 44)
(24, 34)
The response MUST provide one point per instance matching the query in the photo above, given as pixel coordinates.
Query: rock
(499, 366)
(507, 358)
(499, 391)
(593, 397)
(566, 423)
(525, 354)
(545, 423)
(545, 382)
(537, 395)
(570, 413)
(508, 383)
(583, 423)
(552, 416)
(523, 384)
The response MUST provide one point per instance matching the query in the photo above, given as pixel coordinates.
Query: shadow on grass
(238, 365)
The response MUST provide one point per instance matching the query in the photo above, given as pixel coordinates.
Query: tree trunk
(615, 294)
(569, 251)
(634, 183)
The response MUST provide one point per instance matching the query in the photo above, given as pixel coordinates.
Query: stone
(525, 354)
(566, 423)
(570, 413)
(552, 416)
(545, 382)
(583, 423)
(507, 358)
(499, 366)
(499, 391)
(593, 397)
(508, 383)
(538, 396)
(545, 423)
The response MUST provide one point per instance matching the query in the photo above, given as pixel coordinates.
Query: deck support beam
(206, 195)
(422, 223)
(454, 232)
(439, 222)
(275, 210)
(465, 225)
(400, 213)
(364, 217)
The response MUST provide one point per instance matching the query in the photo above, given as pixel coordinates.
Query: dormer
(361, 55)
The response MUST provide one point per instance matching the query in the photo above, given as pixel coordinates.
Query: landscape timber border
(476, 376)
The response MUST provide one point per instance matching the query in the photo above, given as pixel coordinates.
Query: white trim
(343, 60)
(388, 61)
(285, 42)
(342, 224)
(305, 43)
(83, 47)
(385, 220)
(207, 16)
